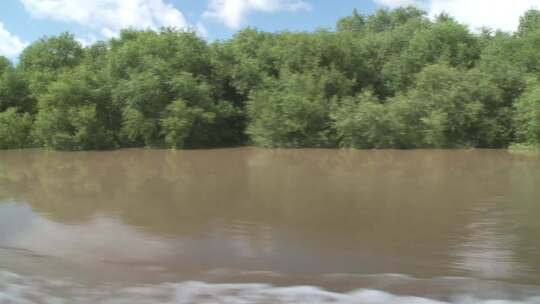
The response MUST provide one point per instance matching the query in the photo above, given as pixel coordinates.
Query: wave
(25, 290)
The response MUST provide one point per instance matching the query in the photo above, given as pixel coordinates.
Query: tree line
(393, 79)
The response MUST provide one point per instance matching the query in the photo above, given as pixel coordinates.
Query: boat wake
(20, 289)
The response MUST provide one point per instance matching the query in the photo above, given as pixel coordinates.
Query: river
(250, 225)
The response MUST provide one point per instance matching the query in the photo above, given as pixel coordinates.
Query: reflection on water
(489, 251)
(145, 215)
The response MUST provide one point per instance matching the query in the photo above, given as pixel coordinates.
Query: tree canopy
(394, 79)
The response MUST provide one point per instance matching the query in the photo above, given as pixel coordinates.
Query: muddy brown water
(254, 224)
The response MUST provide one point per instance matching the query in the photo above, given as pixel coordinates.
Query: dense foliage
(395, 79)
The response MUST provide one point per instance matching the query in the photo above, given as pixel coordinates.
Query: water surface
(254, 224)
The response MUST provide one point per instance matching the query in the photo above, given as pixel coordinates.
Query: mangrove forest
(394, 79)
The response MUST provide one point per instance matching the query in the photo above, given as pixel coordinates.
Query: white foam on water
(17, 289)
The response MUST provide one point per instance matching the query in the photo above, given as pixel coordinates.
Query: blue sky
(23, 21)
(26, 21)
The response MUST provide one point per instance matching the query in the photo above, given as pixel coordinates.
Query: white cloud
(233, 12)
(109, 16)
(10, 45)
(496, 14)
(397, 3)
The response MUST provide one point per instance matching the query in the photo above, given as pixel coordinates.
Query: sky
(24, 21)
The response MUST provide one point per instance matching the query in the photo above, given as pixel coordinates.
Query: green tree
(362, 122)
(385, 20)
(142, 99)
(73, 114)
(444, 42)
(529, 22)
(392, 79)
(44, 60)
(293, 111)
(178, 121)
(444, 108)
(245, 61)
(15, 129)
(527, 116)
(354, 23)
(14, 92)
(5, 64)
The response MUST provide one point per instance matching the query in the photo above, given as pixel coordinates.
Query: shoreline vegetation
(394, 79)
